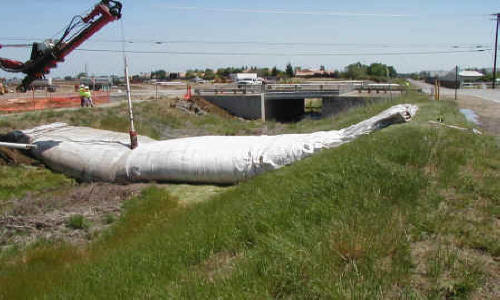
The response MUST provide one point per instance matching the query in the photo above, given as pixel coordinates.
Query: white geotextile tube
(98, 155)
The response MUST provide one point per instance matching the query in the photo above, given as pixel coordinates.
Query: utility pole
(390, 80)
(496, 48)
(132, 132)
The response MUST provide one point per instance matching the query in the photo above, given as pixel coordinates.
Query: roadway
(484, 103)
(486, 94)
(147, 94)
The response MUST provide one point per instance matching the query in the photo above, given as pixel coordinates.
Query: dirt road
(485, 103)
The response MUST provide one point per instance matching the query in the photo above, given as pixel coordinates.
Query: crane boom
(46, 55)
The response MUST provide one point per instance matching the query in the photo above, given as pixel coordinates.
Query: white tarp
(99, 155)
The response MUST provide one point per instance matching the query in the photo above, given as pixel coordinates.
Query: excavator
(45, 55)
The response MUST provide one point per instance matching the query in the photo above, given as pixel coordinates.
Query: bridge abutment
(287, 108)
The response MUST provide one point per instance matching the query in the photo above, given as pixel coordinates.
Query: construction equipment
(45, 55)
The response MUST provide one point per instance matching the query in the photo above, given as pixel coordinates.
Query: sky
(410, 35)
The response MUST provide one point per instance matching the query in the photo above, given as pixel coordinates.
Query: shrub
(78, 222)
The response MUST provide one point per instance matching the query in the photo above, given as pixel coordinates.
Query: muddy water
(470, 115)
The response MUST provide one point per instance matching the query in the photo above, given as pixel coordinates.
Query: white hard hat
(82, 85)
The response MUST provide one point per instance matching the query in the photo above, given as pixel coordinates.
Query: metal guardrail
(276, 88)
(477, 85)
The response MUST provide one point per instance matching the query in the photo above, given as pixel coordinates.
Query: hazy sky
(265, 33)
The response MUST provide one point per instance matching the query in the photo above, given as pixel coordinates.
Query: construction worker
(87, 97)
(81, 91)
(90, 101)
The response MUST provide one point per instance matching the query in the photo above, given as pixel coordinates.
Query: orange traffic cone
(188, 95)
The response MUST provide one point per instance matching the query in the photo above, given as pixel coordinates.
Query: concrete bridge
(281, 102)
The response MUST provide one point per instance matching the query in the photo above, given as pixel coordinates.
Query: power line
(297, 43)
(280, 54)
(279, 43)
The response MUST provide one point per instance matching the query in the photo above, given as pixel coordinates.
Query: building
(309, 73)
(97, 83)
(450, 79)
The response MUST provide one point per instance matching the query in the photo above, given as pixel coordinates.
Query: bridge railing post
(263, 106)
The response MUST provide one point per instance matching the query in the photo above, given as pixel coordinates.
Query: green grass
(108, 219)
(78, 222)
(17, 182)
(399, 213)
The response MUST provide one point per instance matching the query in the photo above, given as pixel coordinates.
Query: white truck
(244, 79)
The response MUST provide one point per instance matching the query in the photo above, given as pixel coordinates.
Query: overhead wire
(282, 43)
(280, 54)
(15, 45)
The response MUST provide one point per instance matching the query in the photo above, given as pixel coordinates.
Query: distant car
(243, 83)
(198, 80)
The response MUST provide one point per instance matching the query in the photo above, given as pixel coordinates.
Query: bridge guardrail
(270, 88)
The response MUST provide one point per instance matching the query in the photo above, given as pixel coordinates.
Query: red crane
(45, 55)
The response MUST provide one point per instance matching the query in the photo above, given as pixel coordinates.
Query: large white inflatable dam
(98, 155)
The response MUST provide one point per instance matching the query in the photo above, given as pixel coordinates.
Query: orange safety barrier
(27, 103)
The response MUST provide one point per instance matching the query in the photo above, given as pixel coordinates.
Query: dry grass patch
(218, 266)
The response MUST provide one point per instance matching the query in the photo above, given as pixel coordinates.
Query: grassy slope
(409, 210)
(151, 119)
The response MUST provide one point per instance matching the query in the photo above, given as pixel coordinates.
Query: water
(470, 115)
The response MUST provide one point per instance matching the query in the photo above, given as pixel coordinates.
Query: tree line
(355, 71)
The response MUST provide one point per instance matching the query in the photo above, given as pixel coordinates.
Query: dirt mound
(10, 156)
(15, 157)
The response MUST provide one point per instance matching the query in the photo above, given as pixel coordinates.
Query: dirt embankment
(211, 108)
(13, 157)
(200, 106)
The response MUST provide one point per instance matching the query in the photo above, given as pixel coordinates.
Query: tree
(356, 71)
(209, 74)
(159, 74)
(275, 72)
(381, 70)
(68, 78)
(289, 70)
(392, 71)
(377, 69)
(190, 74)
(263, 72)
(82, 74)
